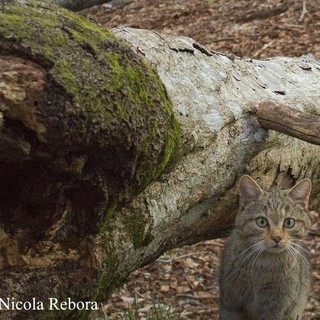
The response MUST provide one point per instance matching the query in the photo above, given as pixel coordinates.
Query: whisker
(300, 247)
(301, 240)
(258, 252)
(299, 254)
(245, 255)
(244, 251)
(248, 256)
(251, 254)
(292, 253)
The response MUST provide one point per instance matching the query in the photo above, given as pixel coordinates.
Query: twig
(291, 26)
(304, 10)
(190, 284)
(169, 260)
(262, 14)
(265, 46)
(200, 308)
(149, 298)
(195, 297)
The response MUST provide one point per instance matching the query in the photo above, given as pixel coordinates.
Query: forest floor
(184, 280)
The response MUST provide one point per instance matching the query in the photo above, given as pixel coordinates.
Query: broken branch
(290, 121)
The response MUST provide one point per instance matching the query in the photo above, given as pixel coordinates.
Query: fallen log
(116, 146)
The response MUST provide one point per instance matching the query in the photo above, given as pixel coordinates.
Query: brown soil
(185, 279)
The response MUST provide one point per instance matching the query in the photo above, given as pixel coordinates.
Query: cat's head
(275, 218)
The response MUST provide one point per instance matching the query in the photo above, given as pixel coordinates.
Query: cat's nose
(276, 239)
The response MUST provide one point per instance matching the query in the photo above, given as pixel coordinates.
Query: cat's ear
(249, 190)
(300, 192)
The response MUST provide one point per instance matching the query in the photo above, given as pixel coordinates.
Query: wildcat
(265, 273)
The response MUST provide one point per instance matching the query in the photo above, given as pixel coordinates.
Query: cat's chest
(271, 277)
(265, 272)
(258, 284)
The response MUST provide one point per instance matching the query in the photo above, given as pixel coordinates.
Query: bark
(289, 121)
(215, 98)
(104, 166)
(85, 126)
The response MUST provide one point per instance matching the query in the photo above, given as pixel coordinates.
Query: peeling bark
(103, 166)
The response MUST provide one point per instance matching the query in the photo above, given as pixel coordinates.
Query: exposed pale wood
(304, 10)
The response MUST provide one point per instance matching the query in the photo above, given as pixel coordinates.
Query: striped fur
(265, 271)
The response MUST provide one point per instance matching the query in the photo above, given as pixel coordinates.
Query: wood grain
(289, 121)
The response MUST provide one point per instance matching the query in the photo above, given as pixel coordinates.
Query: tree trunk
(104, 166)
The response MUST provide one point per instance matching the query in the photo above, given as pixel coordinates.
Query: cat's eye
(262, 222)
(289, 223)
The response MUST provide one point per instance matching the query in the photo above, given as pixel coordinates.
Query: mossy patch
(103, 103)
(135, 225)
(123, 105)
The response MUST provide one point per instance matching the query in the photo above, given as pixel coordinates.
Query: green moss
(135, 225)
(124, 109)
(57, 48)
(172, 151)
(67, 76)
(108, 280)
(101, 74)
